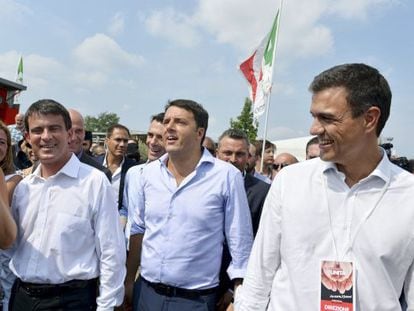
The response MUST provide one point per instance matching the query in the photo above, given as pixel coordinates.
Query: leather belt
(172, 291)
(35, 289)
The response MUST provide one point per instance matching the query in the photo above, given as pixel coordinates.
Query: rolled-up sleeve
(136, 206)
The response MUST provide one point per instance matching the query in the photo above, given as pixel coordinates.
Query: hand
(225, 301)
(129, 293)
(337, 276)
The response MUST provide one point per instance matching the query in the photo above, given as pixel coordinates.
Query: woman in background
(11, 179)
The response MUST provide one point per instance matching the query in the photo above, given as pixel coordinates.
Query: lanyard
(350, 238)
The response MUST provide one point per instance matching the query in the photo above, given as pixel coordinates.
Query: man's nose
(316, 127)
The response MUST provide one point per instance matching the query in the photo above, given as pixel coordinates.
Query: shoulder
(254, 183)
(304, 168)
(100, 158)
(401, 178)
(91, 172)
(223, 167)
(128, 163)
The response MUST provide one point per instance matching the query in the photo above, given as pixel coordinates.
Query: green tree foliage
(245, 121)
(101, 122)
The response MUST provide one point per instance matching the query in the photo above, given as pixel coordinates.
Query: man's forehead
(229, 141)
(119, 132)
(155, 126)
(50, 117)
(178, 112)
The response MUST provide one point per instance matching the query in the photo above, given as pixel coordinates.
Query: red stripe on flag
(248, 71)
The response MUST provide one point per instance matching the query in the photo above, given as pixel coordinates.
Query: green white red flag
(258, 70)
(20, 71)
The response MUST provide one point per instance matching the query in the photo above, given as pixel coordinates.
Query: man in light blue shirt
(188, 202)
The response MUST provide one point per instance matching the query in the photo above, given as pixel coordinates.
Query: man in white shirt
(115, 160)
(69, 236)
(337, 231)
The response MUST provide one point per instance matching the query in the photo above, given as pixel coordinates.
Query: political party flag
(258, 70)
(20, 71)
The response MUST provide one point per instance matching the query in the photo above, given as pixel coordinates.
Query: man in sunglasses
(282, 160)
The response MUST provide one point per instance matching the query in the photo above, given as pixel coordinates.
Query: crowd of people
(204, 225)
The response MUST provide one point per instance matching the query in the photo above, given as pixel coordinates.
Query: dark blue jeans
(149, 300)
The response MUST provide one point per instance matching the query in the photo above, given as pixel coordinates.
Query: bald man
(76, 141)
(17, 129)
(282, 160)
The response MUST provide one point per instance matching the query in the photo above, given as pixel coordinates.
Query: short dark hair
(116, 126)
(312, 141)
(259, 145)
(199, 113)
(365, 87)
(235, 134)
(159, 117)
(47, 106)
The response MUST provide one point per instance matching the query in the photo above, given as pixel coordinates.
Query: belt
(35, 289)
(172, 291)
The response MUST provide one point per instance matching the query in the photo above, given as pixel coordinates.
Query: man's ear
(200, 132)
(27, 137)
(70, 135)
(372, 116)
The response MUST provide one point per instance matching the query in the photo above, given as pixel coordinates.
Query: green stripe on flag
(268, 53)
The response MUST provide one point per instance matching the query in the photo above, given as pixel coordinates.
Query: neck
(112, 160)
(181, 166)
(47, 170)
(361, 167)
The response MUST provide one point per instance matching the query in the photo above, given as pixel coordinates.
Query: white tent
(295, 146)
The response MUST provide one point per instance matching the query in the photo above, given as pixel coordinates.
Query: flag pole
(270, 93)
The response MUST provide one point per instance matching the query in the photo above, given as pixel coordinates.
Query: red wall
(7, 113)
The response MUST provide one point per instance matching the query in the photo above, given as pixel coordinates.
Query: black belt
(35, 289)
(172, 291)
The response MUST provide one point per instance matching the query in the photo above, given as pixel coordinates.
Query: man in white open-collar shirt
(69, 235)
(337, 232)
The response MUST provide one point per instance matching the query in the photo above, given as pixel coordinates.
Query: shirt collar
(206, 157)
(70, 169)
(106, 164)
(382, 171)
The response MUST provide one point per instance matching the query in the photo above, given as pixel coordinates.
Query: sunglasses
(279, 166)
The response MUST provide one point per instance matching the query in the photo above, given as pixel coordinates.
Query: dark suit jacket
(256, 191)
(128, 163)
(87, 159)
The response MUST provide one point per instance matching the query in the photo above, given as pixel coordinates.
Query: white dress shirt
(116, 176)
(69, 229)
(296, 232)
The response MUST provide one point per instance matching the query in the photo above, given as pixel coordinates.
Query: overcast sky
(131, 57)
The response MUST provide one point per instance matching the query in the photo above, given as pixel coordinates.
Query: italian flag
(20, 71)
(258, 70)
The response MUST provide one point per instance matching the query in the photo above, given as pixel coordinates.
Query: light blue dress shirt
(185, 226)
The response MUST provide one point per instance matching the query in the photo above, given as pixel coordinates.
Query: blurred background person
(282, 160)
(87, 143)
(264, 171)
(312, 148)
(210, 145)
(133, 151)
(11, 180)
